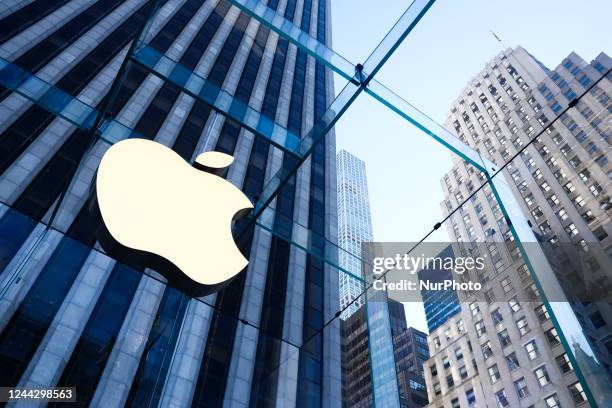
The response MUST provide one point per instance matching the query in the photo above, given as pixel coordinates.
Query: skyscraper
(72, 316)
(503, 350)
(354, 226)
(409, 353)
(439, 305)
(410, 349)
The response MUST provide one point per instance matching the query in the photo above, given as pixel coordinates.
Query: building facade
(439, 305)
(72, 316)
(356, 367)
(513, 355)
(354, 226)
(410, 351)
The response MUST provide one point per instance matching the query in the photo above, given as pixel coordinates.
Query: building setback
(502, 350)
(72, 316)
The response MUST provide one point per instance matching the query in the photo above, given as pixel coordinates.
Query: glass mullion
(385, 388)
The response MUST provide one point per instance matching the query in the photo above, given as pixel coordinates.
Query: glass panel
(223, 102)
(297, 36)
(57, 101)
(396, 36)
(34, 254)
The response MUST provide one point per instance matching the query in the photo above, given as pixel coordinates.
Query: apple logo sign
(158, 211)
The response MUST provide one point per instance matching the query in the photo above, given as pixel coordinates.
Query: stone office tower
(499, 350)
(72, 316)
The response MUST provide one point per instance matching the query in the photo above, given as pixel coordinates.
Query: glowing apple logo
(158, 211)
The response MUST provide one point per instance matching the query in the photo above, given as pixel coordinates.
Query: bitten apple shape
(158, 211)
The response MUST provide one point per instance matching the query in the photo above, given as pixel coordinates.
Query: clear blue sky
(447, 48)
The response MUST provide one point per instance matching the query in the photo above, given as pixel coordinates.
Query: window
(458, 354)
(571, 230)
(520, 386)
(416, 385)
(471, 398)
(599, 232)
(502, 398)
(460, 327)
(489, 295)
(523, 272)
(475, 309)
(434, 370)
(437, 389)
(455, 403)
(436, 342)
(486, 349)
(532, 350)
(562, 214)
(514, 305)
(597, 320)
(542, 376)
(512, 361)
(577, 392)
(552, 337)
(449, 381)
(463, 372)
(542, 313)
(522, 326)
(480, 328)
(579, 201)
(447, 333)
(553, 401)
(564, 363)
(504, 338)
(506, 285)
(588, 216)
(553, 200)
(496, 316)
(494, 373)
(545, 187)
(446, 362)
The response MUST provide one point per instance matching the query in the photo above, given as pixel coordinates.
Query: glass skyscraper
(439, 305)
(354, 226)
(72, 316)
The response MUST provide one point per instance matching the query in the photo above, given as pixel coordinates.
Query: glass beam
(396, 36)
(59, 102)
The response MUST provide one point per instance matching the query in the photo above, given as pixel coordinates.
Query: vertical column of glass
(385, 388)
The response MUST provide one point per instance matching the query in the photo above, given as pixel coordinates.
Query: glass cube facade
(255, 80)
